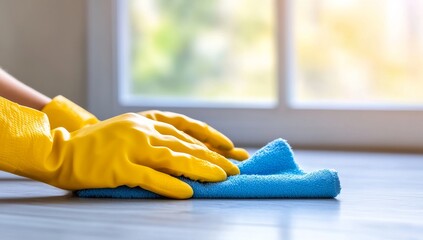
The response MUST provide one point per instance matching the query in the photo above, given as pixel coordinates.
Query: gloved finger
(213, 137)
(192, 127)
(182, 164)
(157, 182)
(167, 129)
(238, 154)
(234, 153)
(201, 152)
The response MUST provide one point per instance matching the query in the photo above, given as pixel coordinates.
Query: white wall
(42, 43)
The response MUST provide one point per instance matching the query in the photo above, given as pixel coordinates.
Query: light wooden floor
(382, 198)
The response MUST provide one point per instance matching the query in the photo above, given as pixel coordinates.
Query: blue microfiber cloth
(270, 173)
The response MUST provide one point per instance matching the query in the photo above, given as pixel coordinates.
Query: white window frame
(365, 129)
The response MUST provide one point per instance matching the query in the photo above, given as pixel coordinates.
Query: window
(358, 53)
(334, 74)
(203, 53)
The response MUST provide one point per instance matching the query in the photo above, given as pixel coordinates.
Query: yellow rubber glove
(209, 136)
(126, 150)
(64, 113)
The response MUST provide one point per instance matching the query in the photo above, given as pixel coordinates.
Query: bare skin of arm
(20, 93)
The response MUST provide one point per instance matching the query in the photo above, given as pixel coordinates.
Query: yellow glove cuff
(62, 112)
(24, 134)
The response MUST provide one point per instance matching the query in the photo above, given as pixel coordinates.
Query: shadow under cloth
(271, 172)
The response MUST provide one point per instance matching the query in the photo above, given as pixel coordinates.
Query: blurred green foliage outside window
(213, 50)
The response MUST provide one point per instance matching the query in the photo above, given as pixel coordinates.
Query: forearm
(20, 93)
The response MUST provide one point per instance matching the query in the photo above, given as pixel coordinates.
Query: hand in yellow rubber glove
(126, 150)
(64, 113)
